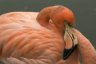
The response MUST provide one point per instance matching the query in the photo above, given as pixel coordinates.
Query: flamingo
(42, 38)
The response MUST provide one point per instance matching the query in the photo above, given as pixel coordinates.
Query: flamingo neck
(87, 51)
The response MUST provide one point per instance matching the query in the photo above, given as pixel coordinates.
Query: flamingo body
(38, 38)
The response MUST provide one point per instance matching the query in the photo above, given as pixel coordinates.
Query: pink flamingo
(33, 38)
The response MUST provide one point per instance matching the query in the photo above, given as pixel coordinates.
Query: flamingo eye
(50, 21)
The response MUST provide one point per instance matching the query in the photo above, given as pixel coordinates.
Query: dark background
(84, 10)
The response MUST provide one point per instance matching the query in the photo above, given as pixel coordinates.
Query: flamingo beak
(70, 40)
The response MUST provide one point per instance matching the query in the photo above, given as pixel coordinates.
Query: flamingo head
(63, 19)
(61, 15)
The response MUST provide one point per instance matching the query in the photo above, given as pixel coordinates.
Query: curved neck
(44, 16)
(44, 20)
(87, 51)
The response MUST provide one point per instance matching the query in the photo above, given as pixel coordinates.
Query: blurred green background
(84, 10)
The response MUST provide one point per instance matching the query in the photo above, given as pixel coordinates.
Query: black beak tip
(68, 52)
